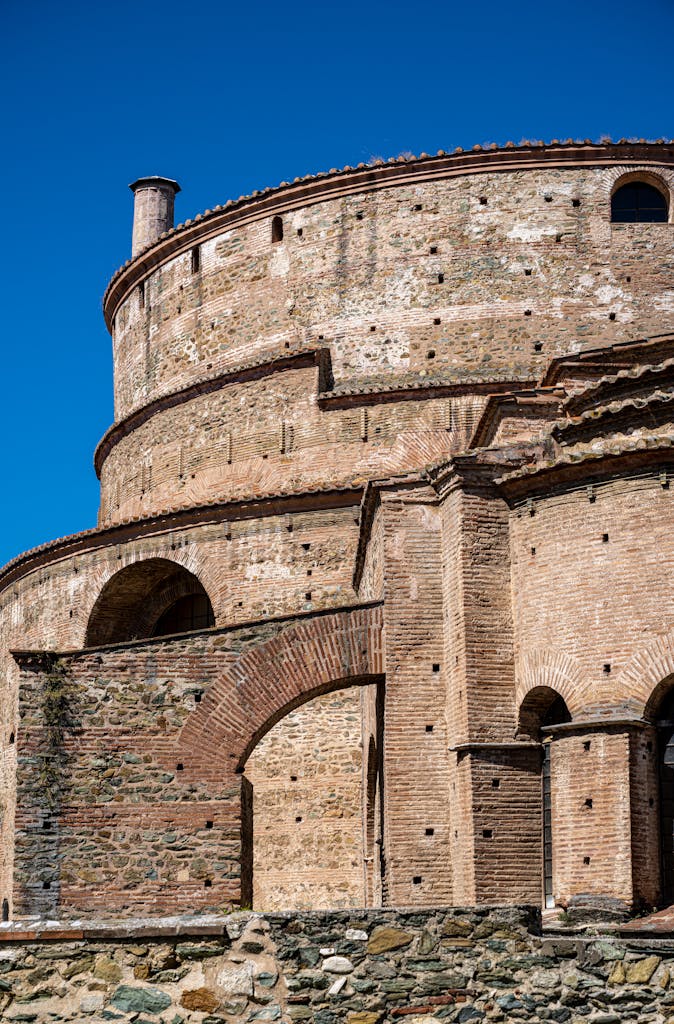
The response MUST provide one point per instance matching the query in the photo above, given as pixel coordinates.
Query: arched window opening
(5, 910)
(188, 613)
(638, 202)
(277, 229)
(542, 709)
(665, 730)
(155, 597)
(305, 850)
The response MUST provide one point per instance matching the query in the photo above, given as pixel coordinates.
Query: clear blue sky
(228, 98)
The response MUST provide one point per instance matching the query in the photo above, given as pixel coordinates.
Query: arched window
(277, 229)
(191, 612)
(637, 201)
(150, 598)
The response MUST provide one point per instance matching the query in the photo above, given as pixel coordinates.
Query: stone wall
(306, 777)
(357, 967)
(130, 761)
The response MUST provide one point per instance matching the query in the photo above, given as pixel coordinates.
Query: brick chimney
(152, 210)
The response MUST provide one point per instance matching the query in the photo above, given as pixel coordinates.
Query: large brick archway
(271, 677)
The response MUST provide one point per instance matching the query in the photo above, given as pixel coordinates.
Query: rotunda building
(375, 611)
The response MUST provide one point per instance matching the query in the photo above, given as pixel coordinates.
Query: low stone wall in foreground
(360, 967)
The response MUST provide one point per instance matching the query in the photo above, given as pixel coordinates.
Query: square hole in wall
(487, 833)
(209, 824)
(416, 880)
(430, 831)
(429, 728)
(436, 666)
(495, 783)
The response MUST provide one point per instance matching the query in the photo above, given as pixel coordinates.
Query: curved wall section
(471, 273)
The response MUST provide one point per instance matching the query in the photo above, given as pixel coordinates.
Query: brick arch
(268, 679)
(662, 178)
(191, 558)
(648, 675)
(129, 604)
(545, 668)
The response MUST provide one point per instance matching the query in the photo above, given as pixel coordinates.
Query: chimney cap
(155, 180)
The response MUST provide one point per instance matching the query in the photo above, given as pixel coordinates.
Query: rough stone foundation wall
(356, 967)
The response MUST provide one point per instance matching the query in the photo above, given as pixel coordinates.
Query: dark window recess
(607, 667)
(277, 229)
(538, 346)
(416, 880)
(298, 819)
(5, 910)
(588, 803)
(430, 354)
(586, 860)
(207, 883)
(483, 200)
(638, 202)
(196, 260)
(495, 783)
(434, 250)
(11, 737)
(441, 278)
(487, 833)
(180, 767)
(611, 316)
(300, 232)
(209, 824)
(436, 666)
(575, 203)
(430, 831)
(141, 296)
(46, 885)
(527, 272)
(429, 728)
(191, 612)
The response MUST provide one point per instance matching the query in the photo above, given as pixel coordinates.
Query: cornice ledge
(335, 183)
(593, 467)
(244, 372)
(176, 519)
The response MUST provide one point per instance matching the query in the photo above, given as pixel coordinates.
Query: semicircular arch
(545, 668)
(271, 678)
(648, 675)
(133, 598)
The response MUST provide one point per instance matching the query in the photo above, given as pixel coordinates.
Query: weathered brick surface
(428, 496)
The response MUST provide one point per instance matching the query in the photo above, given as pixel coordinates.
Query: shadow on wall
(156, 597)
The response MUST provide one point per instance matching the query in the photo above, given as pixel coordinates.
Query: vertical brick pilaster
(418, 865)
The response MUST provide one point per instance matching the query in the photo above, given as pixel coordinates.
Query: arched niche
(541, 710)
(154, 597)
(305, 784)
